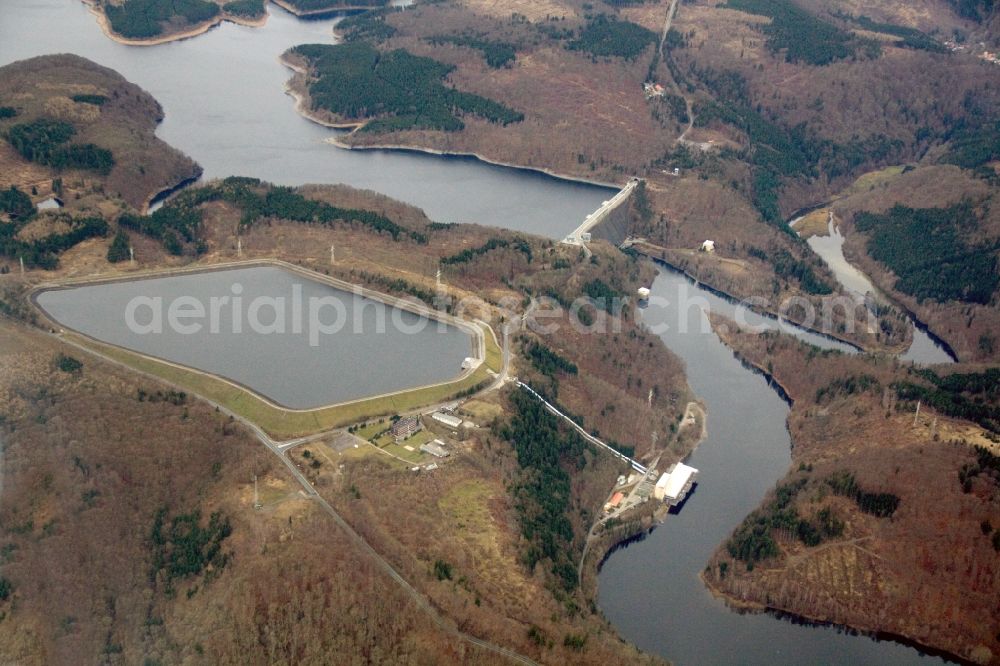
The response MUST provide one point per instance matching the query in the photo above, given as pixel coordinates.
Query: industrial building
(435, 448)
(614, 502)
(674, 485)
(449, 420)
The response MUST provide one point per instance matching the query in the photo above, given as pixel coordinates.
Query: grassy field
(869, 181)
(285, 423)
(388, 444)
(815, 223)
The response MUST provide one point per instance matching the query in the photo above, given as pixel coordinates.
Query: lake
(378, 349)
(223, 95)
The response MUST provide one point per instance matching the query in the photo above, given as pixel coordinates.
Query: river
(924, 349)
(650, 590)
(222, 93)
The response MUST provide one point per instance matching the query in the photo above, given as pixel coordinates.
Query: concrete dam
(608, 223)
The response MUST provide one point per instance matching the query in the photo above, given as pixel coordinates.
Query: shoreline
(167, 192)
(897, 302)
(757, 309)
(755, 607)
(324, 13)
(195, 31)
(544, 171)
(302, 107)
(881, 292)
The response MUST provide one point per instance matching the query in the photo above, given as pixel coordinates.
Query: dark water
(361, 360)
(223, 94)
(650, 590)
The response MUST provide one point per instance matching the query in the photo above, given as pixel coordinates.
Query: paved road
(278, 448)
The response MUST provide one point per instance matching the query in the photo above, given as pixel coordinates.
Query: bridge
(586, 435)
(581, 234)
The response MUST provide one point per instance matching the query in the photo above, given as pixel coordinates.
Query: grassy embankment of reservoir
(283, 423)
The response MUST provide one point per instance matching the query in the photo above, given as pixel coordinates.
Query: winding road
(671, 13)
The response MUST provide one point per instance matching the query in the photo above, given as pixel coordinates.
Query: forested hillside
(76, 128)
(886, 518)
(395, 90)
(141, 19)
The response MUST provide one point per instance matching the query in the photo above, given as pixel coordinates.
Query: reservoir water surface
(223, 95)
(379, 349)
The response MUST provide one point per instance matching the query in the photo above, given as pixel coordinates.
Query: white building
(471, 363)
(449, 420)
(675, 483)
(708, 246)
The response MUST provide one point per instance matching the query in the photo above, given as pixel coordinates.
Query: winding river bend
(650, 590)
(223, 97)
(925, 349)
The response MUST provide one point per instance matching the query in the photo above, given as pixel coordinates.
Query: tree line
(177, 225)
(142, 19)
(182, 547)
(803, 37)
(44, 252)
(245, 8)
(16, 203)
(909, 38)
(396, 90)
(497, 54)
(319, 5)
(45, 141)
(969, 396)
(927, 251)
(542, 492)
(975, 10)
(172, 225)
(606, 36)
(370, 25)
(753, 541)
(787, 267)
(547, 361)
(880, 505)
(94, 100)
(468, 254)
